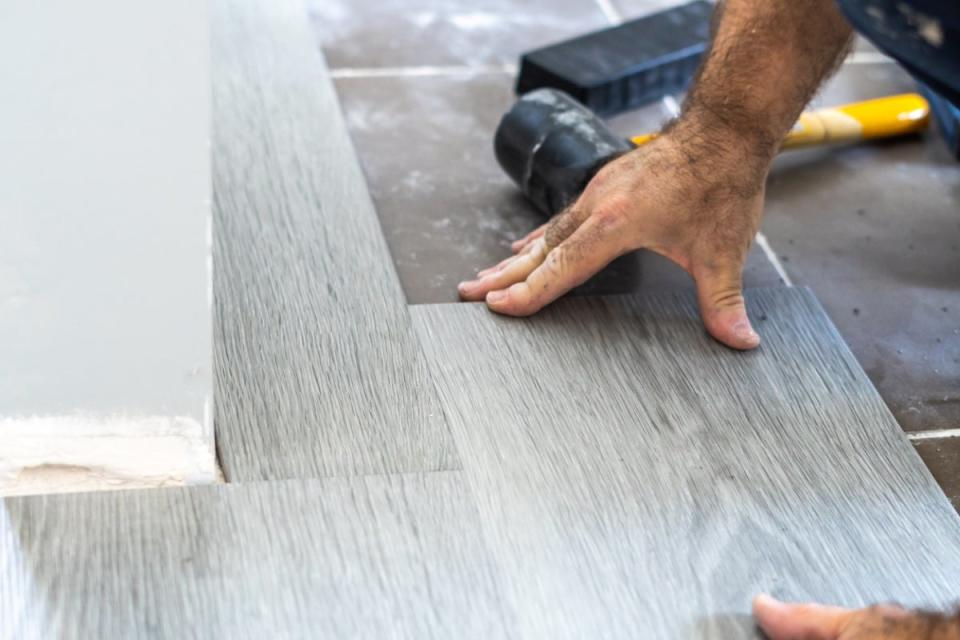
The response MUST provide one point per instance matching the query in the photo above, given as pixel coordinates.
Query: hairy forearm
(941, 627)
(766, 61)
(869, 624)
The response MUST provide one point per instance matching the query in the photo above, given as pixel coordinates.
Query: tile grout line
(933, 434)
(422, 71)
(764, 245)
(867, 57)
(610, 12)
(671, 104)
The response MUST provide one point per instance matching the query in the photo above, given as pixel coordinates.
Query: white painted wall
(105, 315)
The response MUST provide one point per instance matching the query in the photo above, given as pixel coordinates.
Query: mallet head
(551, 146)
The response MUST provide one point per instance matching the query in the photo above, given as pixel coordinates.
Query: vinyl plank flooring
(105, 321)
(637, 479)
(372, 557)
(318, 370)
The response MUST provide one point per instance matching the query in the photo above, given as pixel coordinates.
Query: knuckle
(612, 212)
(612, 168)
(604, 174)
(557, 261)
(522, 303)
(727, 297)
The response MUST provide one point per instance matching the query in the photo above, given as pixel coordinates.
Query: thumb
(781, 621)
(720, 293)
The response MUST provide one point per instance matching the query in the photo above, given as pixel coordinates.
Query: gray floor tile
(446, 207)
(372, 557)
(875, 231)
(630, 9)
(862, 45)
(853, 82)
(942, 456)
(631, 473)
(317, 369)
(401, 33)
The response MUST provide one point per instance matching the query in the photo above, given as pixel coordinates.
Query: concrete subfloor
(873, 229)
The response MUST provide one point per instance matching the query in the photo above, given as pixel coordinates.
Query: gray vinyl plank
(372, 557)
(105, 321)
(636, 479)
(318, 372)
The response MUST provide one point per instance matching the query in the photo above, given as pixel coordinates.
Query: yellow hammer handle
(879, 118)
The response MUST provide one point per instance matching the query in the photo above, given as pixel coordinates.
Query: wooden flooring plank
(636, 479)
(318, 372)
(371, 557)
(105, 320)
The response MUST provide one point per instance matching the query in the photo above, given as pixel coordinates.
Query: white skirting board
(105, 269)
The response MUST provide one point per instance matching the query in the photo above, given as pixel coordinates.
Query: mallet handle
(879, 118)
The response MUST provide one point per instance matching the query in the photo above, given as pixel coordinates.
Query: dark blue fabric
(923, 35)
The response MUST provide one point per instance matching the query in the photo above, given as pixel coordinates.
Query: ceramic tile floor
(423, 84)
(404, 33)
(942, 456)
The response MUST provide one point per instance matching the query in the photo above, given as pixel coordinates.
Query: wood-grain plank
(636, 479)
(372, 557)
(318, 372)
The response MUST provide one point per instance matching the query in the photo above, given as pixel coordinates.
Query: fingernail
(767, 601)
(496, 296)
(466, 285)
(744, 331)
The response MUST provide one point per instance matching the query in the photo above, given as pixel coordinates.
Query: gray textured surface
(373, 557)
(105, 322)
(630, 9)
(402, 33)
(446, 207)
(634, 475)
(942, 457)
(318, 371)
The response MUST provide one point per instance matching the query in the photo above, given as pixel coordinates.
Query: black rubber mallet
(551, 145)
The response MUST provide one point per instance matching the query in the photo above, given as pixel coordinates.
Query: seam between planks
(420, 71)
(933, 434)
(610, 12)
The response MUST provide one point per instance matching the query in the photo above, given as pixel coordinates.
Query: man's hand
(695, 194)
(781, 621)
(700, 211)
